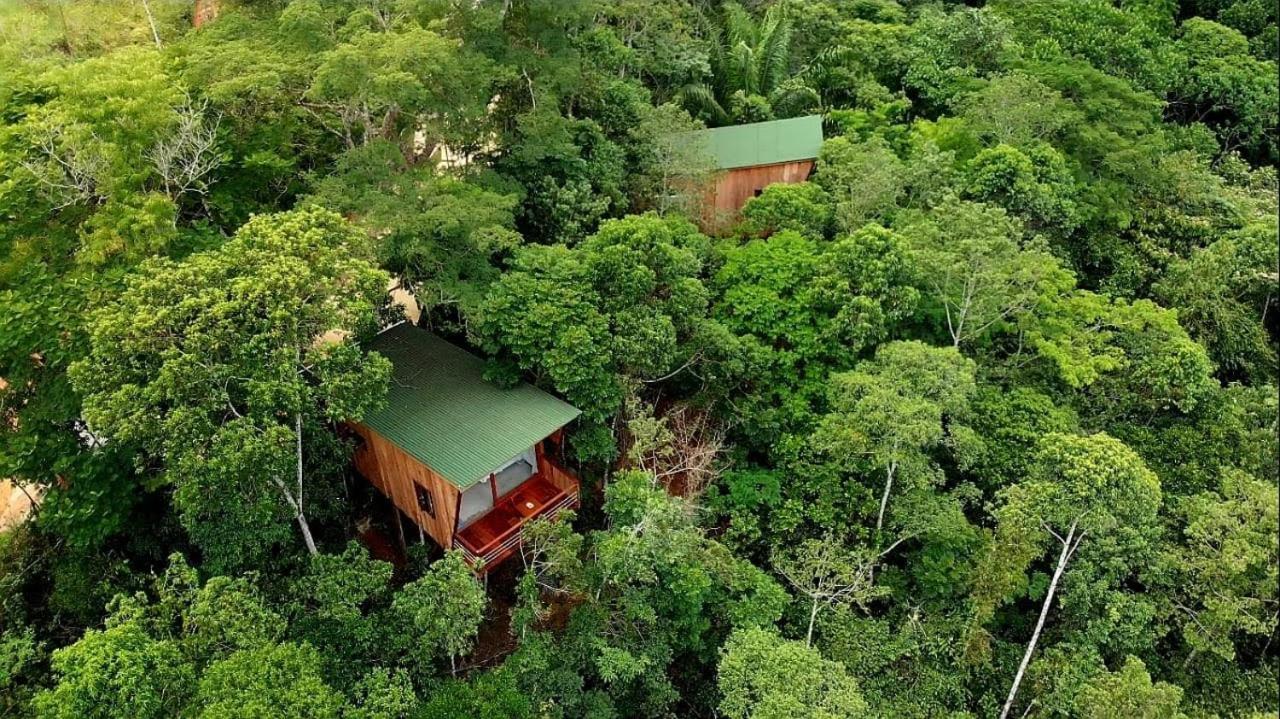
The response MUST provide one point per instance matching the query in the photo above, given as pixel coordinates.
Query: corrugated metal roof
(442, 411)
(764, 143)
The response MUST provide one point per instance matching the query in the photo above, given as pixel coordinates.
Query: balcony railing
(496, 535)
(506, 544)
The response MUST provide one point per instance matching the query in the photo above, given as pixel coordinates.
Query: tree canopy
(977, 419)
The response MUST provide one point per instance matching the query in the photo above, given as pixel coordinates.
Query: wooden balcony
(496, 535)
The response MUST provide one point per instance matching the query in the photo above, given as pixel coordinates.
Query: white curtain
(514, 473)
(475, 501)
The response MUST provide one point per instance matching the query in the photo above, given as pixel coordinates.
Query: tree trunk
(1069, 545)
(299, 516)
(813, 616)
(884, 498)
(152, 22)
(296, 502)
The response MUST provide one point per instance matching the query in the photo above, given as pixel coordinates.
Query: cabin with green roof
(468, 461)
(751, 157)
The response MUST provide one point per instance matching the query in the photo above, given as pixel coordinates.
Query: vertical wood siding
(734, 187)
(394, 473)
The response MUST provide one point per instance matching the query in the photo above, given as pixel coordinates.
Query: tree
(1226, 572)
(975, 266)
(1128, 693)
(390, 84)
(748, 65)
(217, 365)
(1220, 84)
(442, 238)
(802, 310)
(891, 410)
(1016, 109)
(674, 172)
(626, 305)
(384, 694)
(274, 680)
(763, 676)
(1080, 486)
(829, 575)
(117, 671)
(1128, 358)
(1222, 293)
(866, 180)
(803, 207)
(340, 605)
(442, 610)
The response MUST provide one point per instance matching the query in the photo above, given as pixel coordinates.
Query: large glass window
(475, 501)
(514, 473)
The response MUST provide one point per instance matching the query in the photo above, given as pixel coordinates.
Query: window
(425, 503)
(477, 500)
(515, 472)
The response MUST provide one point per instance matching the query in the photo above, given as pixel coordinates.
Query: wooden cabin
(469, 462)
(749, 158)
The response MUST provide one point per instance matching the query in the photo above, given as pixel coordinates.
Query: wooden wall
(734, 187)
(394, 473)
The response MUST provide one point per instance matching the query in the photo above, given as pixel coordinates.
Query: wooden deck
(496, 535)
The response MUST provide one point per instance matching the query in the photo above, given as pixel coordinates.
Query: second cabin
(749, 158)
(469, 462)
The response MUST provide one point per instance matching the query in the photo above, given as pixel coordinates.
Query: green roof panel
(442, 411)
(764, 143)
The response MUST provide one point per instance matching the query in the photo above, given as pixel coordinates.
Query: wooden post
(395, 513)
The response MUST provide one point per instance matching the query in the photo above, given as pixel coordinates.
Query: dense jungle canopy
(978, 421)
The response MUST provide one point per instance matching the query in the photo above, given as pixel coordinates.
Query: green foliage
(977, 269)
(213, 366)
(439, 236)
(1077, 196)
(1227, 572)
(119, 671)
(625, 304)
(803, 208)
(802, 310)
(275, 680)
(762, 675)
(1134, 353)
(384, 694)
(891, 409)
(441, 611)
(492, 695)
(1128, 693)
(865, 179)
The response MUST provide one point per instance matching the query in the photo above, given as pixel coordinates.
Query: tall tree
(892, 410)
(1079, 487)
(975, 265)
(216, 366)
(442, 610)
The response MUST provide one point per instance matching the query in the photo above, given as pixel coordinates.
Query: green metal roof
(764, 143)
(442, 411)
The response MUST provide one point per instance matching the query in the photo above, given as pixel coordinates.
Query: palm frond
(743, 72)
(740, 27)
(774, 61)
(793, 98)
(699, 101)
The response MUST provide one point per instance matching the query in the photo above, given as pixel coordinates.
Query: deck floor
(510, 511)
